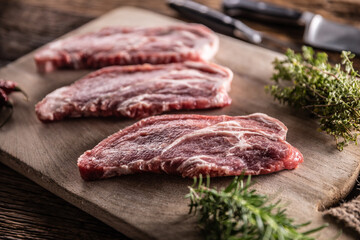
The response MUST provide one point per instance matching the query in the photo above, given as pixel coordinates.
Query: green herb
(237, 212)
(330, 93)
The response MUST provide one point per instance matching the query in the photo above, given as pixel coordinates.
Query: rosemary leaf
(238, 213)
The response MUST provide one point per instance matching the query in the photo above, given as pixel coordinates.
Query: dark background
(27, 211)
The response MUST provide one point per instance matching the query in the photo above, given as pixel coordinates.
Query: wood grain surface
(24, 204)
(28, 24)
(151, 206)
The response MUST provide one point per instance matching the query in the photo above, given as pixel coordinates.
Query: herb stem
(330, 93)
(237, 212)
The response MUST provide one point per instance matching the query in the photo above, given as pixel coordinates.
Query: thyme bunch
(237, 212)
(331, 93)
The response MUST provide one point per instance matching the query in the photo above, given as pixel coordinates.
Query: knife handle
(262, 10)
(215, 19)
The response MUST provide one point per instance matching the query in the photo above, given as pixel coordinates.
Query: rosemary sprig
(331, 93)
(237, 212)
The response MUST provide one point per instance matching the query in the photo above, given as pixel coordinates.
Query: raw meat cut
(190, 145)
(140, 91)
(126, 46)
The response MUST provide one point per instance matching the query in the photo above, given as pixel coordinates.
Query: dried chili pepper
(6, 88)
(10, 86)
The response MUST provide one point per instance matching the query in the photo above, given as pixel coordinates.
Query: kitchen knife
(225, 24)
(319, 32)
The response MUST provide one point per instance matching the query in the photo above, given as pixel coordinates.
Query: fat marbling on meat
(139, 91)
(129, 45)
(190, 145)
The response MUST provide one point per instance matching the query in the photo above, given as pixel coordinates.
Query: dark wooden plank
(41, 21)
(20, 37)
(42, 152)
(38, 27)
(28, 211)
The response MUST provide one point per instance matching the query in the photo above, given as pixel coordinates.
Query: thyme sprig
(237, 212)
(331, 93)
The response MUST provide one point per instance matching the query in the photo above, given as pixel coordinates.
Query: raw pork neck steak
(140, 91)
(190, 145)
(126, 46)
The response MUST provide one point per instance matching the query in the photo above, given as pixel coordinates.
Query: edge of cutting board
(99, 211)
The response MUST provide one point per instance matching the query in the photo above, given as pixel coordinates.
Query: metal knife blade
(319, 32)
(326, 34)
(223, 23)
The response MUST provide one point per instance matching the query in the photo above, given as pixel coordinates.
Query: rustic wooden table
(27, 211)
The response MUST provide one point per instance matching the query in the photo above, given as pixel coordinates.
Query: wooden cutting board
(152, 206)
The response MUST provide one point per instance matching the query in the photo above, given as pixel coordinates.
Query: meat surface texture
(139, 91)
(190, 145)
(128, 46)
